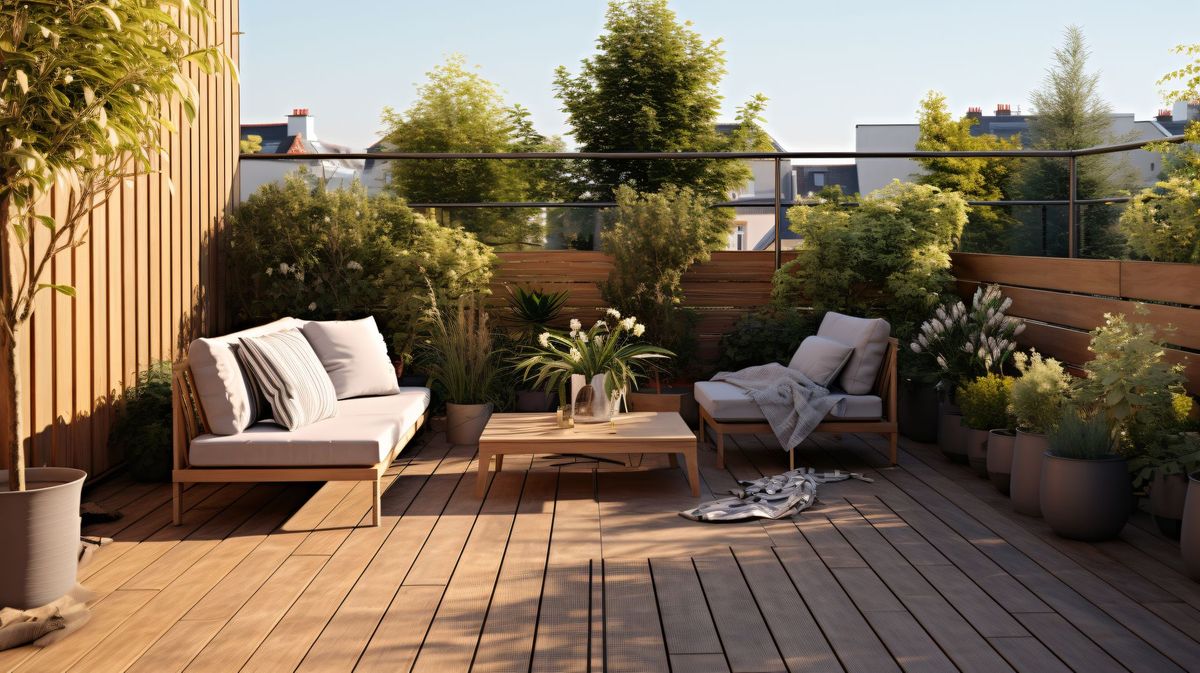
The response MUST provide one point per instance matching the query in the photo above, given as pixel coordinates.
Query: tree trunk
(10, 408)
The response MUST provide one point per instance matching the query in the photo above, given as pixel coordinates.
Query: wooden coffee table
(638, 432)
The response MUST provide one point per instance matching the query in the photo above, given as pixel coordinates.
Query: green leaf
(46, 221)
(62, 289)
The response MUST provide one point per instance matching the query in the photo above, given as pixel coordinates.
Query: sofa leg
(893, 448)
(177, 503)
(720, 449)
(703, 434)
(376, 501)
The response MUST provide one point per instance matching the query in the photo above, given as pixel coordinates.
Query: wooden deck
(562, 568)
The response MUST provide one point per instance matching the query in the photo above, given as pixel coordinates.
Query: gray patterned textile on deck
(770, 497)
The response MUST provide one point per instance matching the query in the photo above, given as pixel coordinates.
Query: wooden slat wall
(722, 289)
(146, 279)
(1064, 298)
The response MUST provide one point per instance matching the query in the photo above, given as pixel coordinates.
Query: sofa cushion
(363, 432)
(869, 338)
(726, 402)
(354, 355)
(291, 378)
(221, 382)
(821, 359)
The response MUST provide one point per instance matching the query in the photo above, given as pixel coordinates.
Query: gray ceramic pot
(1085, 499)
(1189, 537)
(1025, 486)
(39, 528)
(1167, 495)
(465, 422)
(1000, 457)
(977, 447)
(952, 436)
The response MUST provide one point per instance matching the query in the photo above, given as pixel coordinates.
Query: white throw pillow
(354, 355)
(869, 337)
(291, 377)
(821, 359)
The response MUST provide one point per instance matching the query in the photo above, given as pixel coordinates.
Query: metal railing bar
(766, 203)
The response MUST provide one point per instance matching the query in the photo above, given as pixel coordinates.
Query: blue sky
(824, 66)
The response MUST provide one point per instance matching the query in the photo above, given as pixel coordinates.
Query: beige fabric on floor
(55, 621)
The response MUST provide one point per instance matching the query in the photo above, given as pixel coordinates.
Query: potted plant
(1038, 396)
(530, 312)
(75, 119)
(984, 404)
(1166, 471)
(142, 427)
(965, 343)
(463, 365)
(596, 366)
(1085, 490)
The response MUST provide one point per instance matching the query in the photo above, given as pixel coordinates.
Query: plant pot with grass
(1085, 485)
(984, 404)
(463, 365)
(1037, 399)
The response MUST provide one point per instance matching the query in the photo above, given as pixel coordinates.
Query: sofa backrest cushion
(354, 355)
(221, 382)
(869, 339)
(290, 377)
(821, 359)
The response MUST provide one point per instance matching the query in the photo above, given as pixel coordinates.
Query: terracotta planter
(1167, 496)
(1189, 537)
(952, 436)
(40, 530)
(1000, 458)
(1025, 486)
(917, 411)
(465, 422)
(1085, 499)
(977, 447)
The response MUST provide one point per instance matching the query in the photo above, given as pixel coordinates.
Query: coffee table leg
(673, 459)
(499, 462)
(485, 460)
(693, 469)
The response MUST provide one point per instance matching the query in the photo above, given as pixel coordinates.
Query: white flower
(639, 329)
(614, 313)
(68, 79)
(575, 355)
(312, 306)
(916, 347)
(629, 322)
(270, 270)
(1019, 328)
(573, 333)
(354, 266)
(283, 267)
(544, 339)
(576, 325)
(942, 361)
(583, 337)
(599, 339)
(601, 323)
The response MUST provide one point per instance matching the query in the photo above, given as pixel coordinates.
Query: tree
(84, 92)
(652, 87)
(251, 145)
(987, 179)
(1072, 115)
(1184, 159)
(457, 110)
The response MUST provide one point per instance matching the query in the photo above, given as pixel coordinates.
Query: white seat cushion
(726, 402)
(354, 355)
(363, 433)
(869, 338)
(221, 383)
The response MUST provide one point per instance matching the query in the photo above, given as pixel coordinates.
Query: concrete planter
(1168, 494)
(977, 448)
(1025, 486)
(39, 528)
(952, 436)
(1085, 499)
(465, 422)
(1000, 458)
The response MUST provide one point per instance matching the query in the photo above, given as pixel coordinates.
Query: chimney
(974, 112)
(1164, 115)
(1003, 110)
(300, 123)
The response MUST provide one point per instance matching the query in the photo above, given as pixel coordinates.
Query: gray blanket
(792, 404)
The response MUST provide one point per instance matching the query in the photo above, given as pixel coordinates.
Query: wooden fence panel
(137, 278)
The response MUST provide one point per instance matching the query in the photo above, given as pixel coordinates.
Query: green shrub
(1162, 223)
(142, 426)
(1039, 394)
(769, 335)
(984, 402)
(889, 257)
(302, 250)
(1080, 436)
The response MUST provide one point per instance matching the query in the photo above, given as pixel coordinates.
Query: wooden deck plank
(747, 640)
(562, 643)
(912, 647)
(699, 663)
(687, 625)
(1061, 637)
(1028, 655)
(177, 647)
(110, 612)
(633, 640)
(396, 642)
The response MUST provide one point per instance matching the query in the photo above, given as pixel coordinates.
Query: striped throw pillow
(291, 378)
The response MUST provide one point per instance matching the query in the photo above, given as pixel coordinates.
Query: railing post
(1071, 197)
(778, 216)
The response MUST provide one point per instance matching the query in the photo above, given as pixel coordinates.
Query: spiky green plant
(458, 355)
(984, 402)
(532, 310)
(1078, 435)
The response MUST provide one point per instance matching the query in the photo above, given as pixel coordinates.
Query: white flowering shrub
(966, 343)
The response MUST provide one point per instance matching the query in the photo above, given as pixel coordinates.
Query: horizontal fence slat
(1156, 281)
(1089, 276)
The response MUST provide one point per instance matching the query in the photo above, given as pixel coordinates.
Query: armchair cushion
(291, 377)
(354, 355)
(821, 359)
(725, 402)
(869, 338)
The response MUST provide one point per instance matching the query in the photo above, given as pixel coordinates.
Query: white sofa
(217, 440)
(864, 385)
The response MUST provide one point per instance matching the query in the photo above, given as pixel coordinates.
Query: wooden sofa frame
(189, 422)
(884, 388)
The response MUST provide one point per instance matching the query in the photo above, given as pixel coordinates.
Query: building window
(818, 179)
(739, 237)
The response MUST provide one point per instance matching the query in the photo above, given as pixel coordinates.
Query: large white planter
(39, 536)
